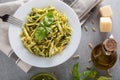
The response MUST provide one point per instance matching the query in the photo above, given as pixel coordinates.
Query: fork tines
(14, 20)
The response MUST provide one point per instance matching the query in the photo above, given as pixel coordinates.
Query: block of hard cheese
(106, 11)
(105, 24)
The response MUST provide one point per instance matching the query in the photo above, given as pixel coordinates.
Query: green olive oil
(104, 55)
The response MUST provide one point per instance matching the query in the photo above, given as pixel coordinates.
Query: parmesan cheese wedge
(106, 11)
(105, 24)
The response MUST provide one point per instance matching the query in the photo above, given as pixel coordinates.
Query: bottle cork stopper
(110, 45)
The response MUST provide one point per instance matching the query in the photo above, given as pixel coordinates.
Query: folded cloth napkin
(81, 7)
(10, 8)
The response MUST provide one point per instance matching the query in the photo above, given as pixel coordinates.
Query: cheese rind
(105, 24)
(106, 11)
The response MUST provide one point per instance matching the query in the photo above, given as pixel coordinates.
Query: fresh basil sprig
(75, 72)
(40, 34)
(104, 78)
(86, 75)
(44, 28)
(90, 73)
(48, 19)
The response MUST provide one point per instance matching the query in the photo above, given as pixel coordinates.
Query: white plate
(24, 54)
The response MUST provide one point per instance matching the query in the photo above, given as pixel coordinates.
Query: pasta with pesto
(46, 32)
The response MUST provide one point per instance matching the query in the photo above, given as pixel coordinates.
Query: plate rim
(54, 64)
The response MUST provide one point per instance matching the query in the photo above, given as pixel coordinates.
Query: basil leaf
(40, 34)
(43, 30)
(42, 24)
(49, 30)
(48, 19)
(90, 74)
(50, 14)
(75, 71)
(104, 78)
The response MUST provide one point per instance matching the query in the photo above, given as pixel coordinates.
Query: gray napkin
(81, 7)
(10, 8)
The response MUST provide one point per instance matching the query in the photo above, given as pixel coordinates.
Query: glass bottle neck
(106, 52)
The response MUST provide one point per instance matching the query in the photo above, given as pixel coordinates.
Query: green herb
(104, 78)
(42, 24)
(40, 34)
(44, 28)
(49, 18)
(49, 30)
(86, 75)
(90, 74)
(75, 71)
(44, 76)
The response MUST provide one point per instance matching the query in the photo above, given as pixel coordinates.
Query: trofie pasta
(46, 32)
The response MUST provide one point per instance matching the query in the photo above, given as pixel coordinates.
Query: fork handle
(5, 17)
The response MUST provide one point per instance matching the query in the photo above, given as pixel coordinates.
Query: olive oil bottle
(104, 55)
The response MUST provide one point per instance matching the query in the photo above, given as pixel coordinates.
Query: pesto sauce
(44, 76)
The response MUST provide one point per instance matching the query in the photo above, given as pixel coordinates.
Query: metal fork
(11, 19)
